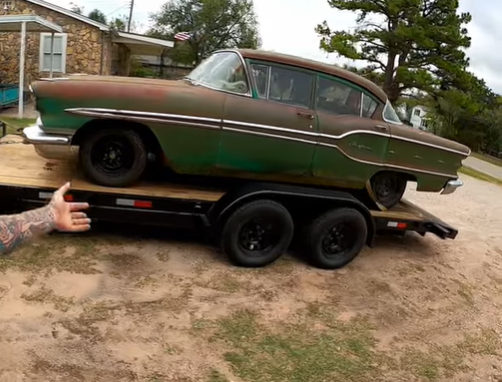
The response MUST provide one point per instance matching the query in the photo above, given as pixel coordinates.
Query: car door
(352, 145)
(272, 131)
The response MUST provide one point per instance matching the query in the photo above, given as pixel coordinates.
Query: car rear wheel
(113, 157)
(388, 188)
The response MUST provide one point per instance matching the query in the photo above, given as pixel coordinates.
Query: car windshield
(221, 71)
(390, 115)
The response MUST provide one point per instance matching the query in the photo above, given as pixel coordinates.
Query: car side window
(369, 106)
(335, 97)
(279, 84)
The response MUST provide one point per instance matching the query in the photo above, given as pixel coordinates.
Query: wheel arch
(145, 132)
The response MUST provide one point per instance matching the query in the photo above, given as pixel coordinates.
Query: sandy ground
(168, 307)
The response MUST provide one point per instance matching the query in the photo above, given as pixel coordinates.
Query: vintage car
(244, 114)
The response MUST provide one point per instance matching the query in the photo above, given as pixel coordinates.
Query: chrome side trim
(451, 186)
(162, 116)
(268, 135)
(131, 113)
(268, 127)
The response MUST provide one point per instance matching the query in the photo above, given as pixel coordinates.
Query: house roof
(33, 24)
(67, 12)
(140, 44)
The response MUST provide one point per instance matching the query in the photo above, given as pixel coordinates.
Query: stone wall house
(84, 47)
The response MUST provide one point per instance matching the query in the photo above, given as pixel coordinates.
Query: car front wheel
(113, 157)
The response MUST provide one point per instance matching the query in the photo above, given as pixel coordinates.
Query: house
(85, 46)
(418, 117)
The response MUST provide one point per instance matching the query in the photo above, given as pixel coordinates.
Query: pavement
(484, 167)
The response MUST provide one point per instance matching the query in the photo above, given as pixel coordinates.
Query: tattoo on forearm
(19, 228)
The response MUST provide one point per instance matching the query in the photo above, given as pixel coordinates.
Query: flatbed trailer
(254, 222)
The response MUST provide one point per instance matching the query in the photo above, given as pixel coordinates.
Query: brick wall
(88, 49)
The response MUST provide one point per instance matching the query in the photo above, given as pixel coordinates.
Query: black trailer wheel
(335, 238)
(113, 157)
(257, 233)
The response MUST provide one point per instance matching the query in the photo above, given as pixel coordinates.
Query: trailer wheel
(113, 157)
(335, 238)
(257, 233)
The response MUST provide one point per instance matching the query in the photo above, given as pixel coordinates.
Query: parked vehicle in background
(247, 114)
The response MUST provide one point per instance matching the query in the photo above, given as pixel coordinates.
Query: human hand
(68, 216)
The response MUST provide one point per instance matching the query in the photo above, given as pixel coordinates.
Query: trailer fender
(286, 194)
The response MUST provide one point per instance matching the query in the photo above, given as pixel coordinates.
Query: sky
(288, 26)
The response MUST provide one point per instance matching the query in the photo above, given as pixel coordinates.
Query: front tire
(388, 188)
(257, 233)
(113, 157)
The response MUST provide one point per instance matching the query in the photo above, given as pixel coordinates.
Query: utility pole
(130, 16)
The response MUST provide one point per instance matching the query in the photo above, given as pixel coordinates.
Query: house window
(59, 52)
(417, 112)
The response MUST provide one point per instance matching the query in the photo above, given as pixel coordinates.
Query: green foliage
(98, 16)
(217, 24)
(419, 43)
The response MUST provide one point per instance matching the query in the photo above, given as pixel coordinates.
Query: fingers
(78, 206)
(78, 215)
(81, 221)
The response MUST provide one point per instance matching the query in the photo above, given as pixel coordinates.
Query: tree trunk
(389, 76)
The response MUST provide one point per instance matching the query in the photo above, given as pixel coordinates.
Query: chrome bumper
(48, 146)
(451, 186)
(36, 136)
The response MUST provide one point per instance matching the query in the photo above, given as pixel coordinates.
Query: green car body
(254, 115)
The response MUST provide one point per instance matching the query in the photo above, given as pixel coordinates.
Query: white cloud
(288, 26)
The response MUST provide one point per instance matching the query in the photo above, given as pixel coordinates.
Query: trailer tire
(320, 234)
(132, 164)
(248, 221)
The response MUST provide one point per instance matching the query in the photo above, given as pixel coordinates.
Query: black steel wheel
(113, 157)
(335, 238)
(388, 188)
(257, 233)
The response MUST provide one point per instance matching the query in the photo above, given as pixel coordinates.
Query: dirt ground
(165, 306)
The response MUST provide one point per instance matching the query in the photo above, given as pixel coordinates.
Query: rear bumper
(48, 145)
(451, 186)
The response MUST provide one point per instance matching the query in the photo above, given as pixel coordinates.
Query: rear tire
(257, 234)
(388, 188)
(113, 157)
(335, 238)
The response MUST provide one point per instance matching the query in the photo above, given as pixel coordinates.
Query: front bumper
(48, 146)
(451, 186)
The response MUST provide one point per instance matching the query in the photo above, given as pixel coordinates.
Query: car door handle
(382, 127)
(307, 115)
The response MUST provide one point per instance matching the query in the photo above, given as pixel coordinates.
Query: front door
(352, 146)
(272, 132)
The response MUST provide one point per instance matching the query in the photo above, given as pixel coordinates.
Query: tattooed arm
(58, 214)
(20, 228)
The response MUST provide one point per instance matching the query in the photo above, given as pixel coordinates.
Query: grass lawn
(487, 158)
(13, 123)
(479, 175)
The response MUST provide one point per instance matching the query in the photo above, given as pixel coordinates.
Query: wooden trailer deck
(21, 166)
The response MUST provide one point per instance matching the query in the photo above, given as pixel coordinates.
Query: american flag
(183, 36)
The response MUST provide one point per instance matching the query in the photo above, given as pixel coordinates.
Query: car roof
(314, 65)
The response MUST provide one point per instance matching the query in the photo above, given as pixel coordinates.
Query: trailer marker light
(45, 195)
(134, 203)
(397, 225)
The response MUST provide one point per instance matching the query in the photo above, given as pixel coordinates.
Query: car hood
(428, 139)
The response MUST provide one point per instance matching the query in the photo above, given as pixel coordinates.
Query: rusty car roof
(314, 65)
